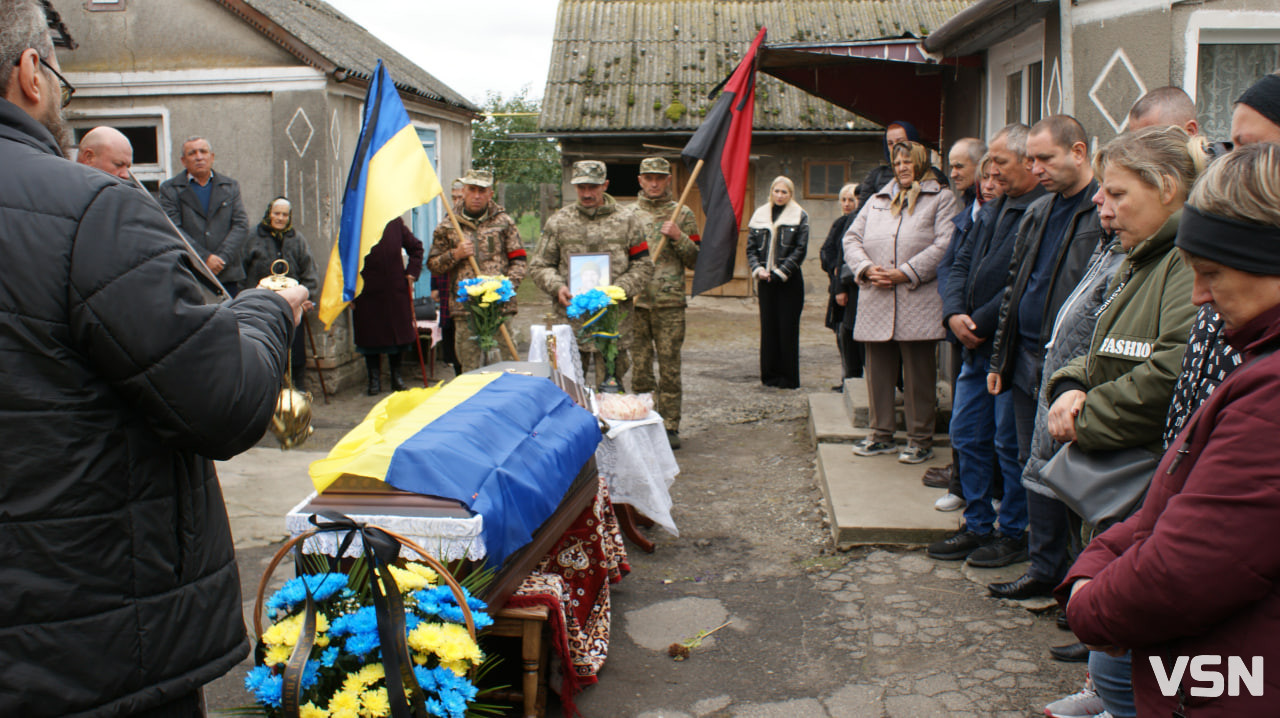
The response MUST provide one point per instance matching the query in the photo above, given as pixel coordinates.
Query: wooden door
(741, 284)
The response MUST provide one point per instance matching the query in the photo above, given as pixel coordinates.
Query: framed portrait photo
(588, 271)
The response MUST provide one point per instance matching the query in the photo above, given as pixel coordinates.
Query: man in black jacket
(1059, 234)
(206, 206)
(982, 426)
(120, 589)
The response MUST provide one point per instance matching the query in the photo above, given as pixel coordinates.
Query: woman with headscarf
(893, 248)
(276, 239)
(895, 132)
(842, 306)
(777, 239)
(1195, 571)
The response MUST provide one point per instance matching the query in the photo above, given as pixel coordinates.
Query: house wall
(1160, 44)
(276, 125)
(164, 35)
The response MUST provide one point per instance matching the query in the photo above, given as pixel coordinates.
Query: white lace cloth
(446, 539)
(568, 360)
(636, 459)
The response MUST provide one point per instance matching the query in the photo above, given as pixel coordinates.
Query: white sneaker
(949, 502)
(1085, 704)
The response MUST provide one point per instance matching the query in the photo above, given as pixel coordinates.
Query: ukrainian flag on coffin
(390, 175)
(505, 445)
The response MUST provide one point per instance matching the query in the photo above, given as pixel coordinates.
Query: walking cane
(417, 341)
(324, 390)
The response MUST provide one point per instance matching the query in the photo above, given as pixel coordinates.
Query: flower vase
(610, 383)
(490, 356)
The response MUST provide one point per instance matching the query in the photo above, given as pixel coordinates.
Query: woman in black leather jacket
(777, 238)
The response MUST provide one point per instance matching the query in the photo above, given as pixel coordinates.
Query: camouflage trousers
(660, 328)
(467, 349)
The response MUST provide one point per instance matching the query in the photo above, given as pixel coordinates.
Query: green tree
(521, 164)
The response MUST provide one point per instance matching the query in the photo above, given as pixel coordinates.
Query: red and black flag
(723, 144)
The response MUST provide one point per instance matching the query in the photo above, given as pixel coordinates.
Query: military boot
(397, 382)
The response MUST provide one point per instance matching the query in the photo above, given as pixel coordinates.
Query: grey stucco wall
(164, 35)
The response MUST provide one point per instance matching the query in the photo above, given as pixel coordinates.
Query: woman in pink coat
(1191, 583)
(893, 248)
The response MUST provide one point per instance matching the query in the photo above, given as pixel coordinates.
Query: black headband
(1264, 96)
(1252, 248)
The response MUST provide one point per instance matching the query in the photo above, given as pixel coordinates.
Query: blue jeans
(1113, 680)
(983, 430)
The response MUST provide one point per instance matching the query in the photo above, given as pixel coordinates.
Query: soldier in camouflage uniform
(660, 307)
(491, 236)
(594, 224)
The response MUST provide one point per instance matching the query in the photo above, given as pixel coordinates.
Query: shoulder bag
(1101, 487)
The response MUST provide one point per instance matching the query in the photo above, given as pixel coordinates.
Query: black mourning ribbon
(380, 551)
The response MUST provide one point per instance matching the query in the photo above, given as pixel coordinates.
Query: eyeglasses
(67, 88)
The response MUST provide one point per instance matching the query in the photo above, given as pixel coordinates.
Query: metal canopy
(881, 80)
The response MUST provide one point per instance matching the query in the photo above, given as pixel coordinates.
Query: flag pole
(453, 219)
(679, 206)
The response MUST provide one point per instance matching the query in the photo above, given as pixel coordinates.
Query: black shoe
(1002, 551)
(375, 386)
(1062, 622)
(1073, 653)
(673, 438)
(1021, 587)
(958, 547)
(397, 382)
(937, 477)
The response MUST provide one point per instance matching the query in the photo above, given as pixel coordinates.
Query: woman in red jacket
(1191, 583)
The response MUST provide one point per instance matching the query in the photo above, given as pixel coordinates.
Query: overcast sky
(473, 46)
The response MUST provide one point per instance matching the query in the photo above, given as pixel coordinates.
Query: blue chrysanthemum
(323, 587)
(440, 601)
(264, 685)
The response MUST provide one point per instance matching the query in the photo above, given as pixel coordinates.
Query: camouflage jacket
(610, 228)
(666, 289)
(499, 250)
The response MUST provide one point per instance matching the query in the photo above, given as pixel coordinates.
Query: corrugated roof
(350, 47)
(621, 65)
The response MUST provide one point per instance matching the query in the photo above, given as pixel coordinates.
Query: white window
(1226, 52)
(1015, 80)
(148, 131)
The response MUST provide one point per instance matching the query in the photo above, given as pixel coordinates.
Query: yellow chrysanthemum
(424, 571)
(358, 681)
(449, 641)
(311, 710)
(490, 297)
(475, 290)
(344, 704)
(277, 655)
(459, 668)
(286, 632)
(409, 580)
(491, 285)
(375, 703)
(615, 293)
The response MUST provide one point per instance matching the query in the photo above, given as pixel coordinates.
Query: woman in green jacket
(1116, 395)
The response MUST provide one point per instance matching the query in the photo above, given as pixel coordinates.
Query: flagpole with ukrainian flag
(390, 174)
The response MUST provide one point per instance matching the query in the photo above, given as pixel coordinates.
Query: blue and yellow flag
(506, 446)
(390, 174)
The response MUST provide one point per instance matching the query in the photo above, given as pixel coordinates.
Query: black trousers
(780, 307)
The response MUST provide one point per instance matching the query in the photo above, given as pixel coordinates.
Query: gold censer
(291, 422)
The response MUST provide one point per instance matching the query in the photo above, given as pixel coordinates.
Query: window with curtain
(1224, 71)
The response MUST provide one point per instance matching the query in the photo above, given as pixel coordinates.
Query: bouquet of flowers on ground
(601, 315)
(344, 676)
(484, 297)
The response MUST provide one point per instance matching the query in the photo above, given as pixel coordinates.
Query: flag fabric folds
(390, 174)
(723, 143)
(507, 446)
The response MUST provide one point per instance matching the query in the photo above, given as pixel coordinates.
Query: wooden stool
(527, 624)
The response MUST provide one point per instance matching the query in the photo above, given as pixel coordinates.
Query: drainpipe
(1066, 51)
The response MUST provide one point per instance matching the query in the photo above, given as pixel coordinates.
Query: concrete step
(829, 420)
(876, 500)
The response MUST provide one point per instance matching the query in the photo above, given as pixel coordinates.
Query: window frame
(845, 168)
(154, 116)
